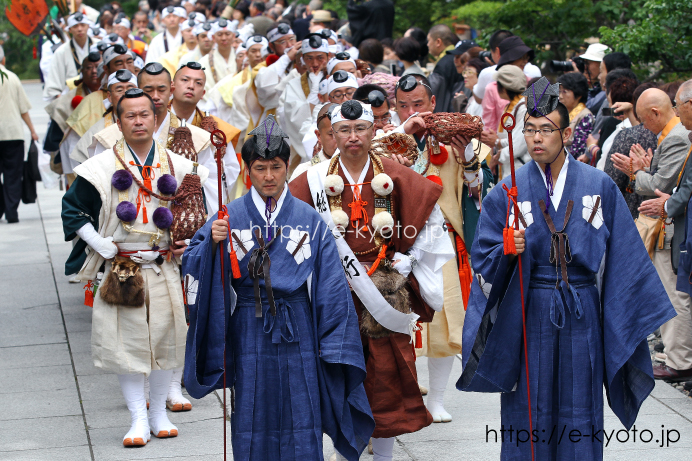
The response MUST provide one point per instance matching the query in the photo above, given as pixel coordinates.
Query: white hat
(341, 79)
(256, 40)
(279, 32)
(113, 39)
(352, 112)
(188, 24)
(595, 52)
(205, 27)
(123, 76)
(345, 57)
(77, 18)
(198, 17)
(96, 31)
(111, 53)
(123, 21)
(324, 86)
(139, 63)
(176, 10)
(224, 24)
(315, 43)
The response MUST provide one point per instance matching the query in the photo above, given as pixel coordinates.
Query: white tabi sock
(159, 382)
(382, 449)
(146, 390)
(133, 392)
(176, 401)
(439, 370)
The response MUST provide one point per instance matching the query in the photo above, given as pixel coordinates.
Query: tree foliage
(657, 37)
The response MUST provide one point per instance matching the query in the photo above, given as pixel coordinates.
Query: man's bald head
(683, 104)
(654, 109)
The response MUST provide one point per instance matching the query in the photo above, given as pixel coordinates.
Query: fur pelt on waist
(124, 285)
(392, 285)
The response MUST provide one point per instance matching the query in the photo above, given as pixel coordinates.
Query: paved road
(57, 406)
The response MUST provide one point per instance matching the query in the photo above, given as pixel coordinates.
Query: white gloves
(314, 88)
(404, 265)
(103, 246)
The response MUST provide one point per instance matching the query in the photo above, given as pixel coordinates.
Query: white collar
(559, 186)
(173, 37)
(262, 205)
(166, 123)
(81, 50)
(189, 120)
(361, 179)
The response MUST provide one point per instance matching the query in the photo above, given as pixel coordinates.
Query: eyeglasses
(338, 95)
(409, 83)
(344, 132)
(134, 93)
(529, 132)
(192, 65)
(384, 119)
(469, 73)
(676, 106)
(123, 75)
(153, 68)
(376, 98)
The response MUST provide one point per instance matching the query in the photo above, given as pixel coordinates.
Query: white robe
(193, 56)
(222, 68)
(157, 47)
(295, 117)
(62, 67)
(271, 82)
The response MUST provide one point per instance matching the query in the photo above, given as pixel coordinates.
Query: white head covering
(198, 17)
(335, 61)
(595, 52)
(256, 40)
(323, 47)
(188, 24)
(123, 21)
(113, 39)
(324, 86)
(194, 2)
(246, 31)
(139, 63)
(77, 18)
(274, 34)
(341, 79)
(166, 11)
(352, 112)
(202, 28)
(113, 78)
(110, 54)
(224, 24)
(180, 12)
(96, 31)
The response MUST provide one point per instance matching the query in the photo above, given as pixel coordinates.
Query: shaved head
(654, 109)
(685, 91)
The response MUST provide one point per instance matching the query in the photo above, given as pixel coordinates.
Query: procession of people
(256, 203)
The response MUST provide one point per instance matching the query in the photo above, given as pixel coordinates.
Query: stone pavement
(58, 406)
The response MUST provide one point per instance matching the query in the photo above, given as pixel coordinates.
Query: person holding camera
(573, 93)
(590, 68)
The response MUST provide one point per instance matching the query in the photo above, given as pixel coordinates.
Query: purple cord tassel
(268, 215)
(549, 182)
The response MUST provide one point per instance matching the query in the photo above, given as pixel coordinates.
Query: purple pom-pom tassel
(122, 179)
(167, 184)
(126, 211)
(163, 218)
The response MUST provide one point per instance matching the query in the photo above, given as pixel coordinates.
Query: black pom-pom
(352, 110)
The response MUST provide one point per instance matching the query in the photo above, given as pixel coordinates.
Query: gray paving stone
(79, 453)
(24, 405)
(31, 434)
(41, 355)
(36, 379)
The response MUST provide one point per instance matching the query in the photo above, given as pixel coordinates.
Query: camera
(566, 66)
(485, 55)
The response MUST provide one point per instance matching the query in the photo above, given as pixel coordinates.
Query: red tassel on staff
(465, 277)
(419, 336)
(89, 294)
(512, 195)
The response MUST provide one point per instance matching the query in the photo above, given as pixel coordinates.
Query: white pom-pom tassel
(333, 185)
(340, 219)
(383, 222)
(382, 184)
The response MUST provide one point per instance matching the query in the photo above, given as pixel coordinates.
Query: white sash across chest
(359, 280)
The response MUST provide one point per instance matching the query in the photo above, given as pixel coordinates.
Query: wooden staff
(512, 197)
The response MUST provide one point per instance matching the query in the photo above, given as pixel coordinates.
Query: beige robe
(128, 340)
(216, 68)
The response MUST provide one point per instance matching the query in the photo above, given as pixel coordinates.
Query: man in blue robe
(286, 323)
(586, 319)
